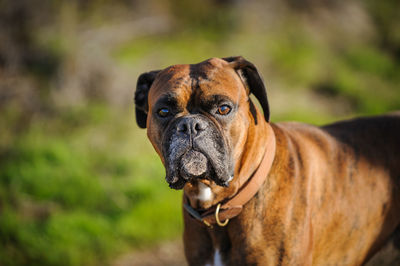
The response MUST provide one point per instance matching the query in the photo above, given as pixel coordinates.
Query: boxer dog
(260, 193)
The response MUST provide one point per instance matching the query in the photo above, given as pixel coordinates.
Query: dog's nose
(191, 126)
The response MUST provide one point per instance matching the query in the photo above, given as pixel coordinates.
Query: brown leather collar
(249, 187)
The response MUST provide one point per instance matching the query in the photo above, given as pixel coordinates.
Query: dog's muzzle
(194, 148)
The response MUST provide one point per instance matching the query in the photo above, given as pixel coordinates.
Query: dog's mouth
(194, 165)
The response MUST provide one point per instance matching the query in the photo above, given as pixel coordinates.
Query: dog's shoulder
(295, 130)
(303, 138)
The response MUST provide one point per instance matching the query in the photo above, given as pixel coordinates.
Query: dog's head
(197, 116)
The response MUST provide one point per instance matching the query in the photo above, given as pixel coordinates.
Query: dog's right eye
(163, 112)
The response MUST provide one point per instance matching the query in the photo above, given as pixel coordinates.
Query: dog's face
(197, 117)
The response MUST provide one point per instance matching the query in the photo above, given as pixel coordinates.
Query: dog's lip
(179, 178)
(193, 164)
(178, 183)
(174, 180)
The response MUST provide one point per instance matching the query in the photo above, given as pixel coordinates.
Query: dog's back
(378, 140)
(353, 168)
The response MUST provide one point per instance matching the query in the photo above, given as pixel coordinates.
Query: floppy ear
(142, 90)
(250, 76)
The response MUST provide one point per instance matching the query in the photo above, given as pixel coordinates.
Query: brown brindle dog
(257, 193)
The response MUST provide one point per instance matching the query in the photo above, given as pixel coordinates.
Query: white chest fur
(217, 259)
(205, 193)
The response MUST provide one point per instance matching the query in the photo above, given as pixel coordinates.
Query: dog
(261, 193)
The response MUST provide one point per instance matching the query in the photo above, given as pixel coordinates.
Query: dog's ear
(250, 76)
(143, 85)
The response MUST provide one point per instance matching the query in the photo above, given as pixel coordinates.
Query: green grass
(81, 191)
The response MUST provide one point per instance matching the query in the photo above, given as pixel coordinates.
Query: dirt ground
(166, 254)
(171, 254)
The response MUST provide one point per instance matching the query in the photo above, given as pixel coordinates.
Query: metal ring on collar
(217, 218)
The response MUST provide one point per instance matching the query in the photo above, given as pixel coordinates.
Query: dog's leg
(197, 242)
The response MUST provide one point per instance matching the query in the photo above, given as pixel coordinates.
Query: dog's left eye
(224, 109)
(163, 112)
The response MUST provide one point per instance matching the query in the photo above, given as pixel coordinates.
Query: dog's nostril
(190, 126)
(182, 127)
(198, 127)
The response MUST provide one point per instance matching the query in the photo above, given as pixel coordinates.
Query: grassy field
(82, 186)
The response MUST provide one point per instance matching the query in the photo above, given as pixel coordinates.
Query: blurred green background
(79, 182)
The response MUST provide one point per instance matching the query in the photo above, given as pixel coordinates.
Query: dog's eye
(224, 109)
(163, 112)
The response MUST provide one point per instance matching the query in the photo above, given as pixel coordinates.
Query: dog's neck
(203, 194)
